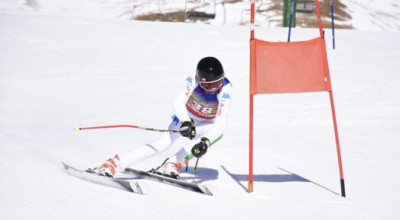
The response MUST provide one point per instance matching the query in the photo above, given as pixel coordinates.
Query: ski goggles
(213, 86)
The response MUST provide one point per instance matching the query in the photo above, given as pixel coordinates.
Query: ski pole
(125, 126)
(197, 163)
(191, 156)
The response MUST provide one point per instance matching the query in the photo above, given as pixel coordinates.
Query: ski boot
(108, 169)
(168, 168)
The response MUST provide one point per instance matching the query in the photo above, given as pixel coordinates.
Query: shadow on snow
(289, 177)
(201, 175)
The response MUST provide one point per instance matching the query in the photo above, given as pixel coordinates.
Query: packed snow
(60, 70)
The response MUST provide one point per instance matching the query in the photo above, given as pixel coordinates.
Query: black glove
(188, 129)
(200, 149)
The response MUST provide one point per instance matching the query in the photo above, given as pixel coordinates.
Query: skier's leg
(147, 150)
(121, 161)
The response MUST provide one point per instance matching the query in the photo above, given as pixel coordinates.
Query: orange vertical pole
(250, 183)
(321, 33)
(339, 155)
(252, 8)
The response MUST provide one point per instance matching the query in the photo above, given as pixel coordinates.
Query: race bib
(202, 104)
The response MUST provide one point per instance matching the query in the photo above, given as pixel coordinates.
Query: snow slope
(58, 72)
(365, 15)
(375, 14)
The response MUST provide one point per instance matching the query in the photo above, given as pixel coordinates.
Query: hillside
(60, 69)
(349, 14)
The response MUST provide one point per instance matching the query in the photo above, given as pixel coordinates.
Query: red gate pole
(339, 155)
(321, 33)
(252, 20)
(250, 183)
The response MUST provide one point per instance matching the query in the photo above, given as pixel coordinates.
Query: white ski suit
(210, 115)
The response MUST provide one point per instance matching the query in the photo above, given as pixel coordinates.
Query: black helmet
(210, 74)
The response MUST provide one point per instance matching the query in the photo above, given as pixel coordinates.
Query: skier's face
(211, 87)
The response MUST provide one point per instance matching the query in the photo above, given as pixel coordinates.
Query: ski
(200, 188)
(128, 183)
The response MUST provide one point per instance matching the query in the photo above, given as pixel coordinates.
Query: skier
(201, 112)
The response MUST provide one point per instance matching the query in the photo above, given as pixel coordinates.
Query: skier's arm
(220, 124)
(214, 131)
(179, 104)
